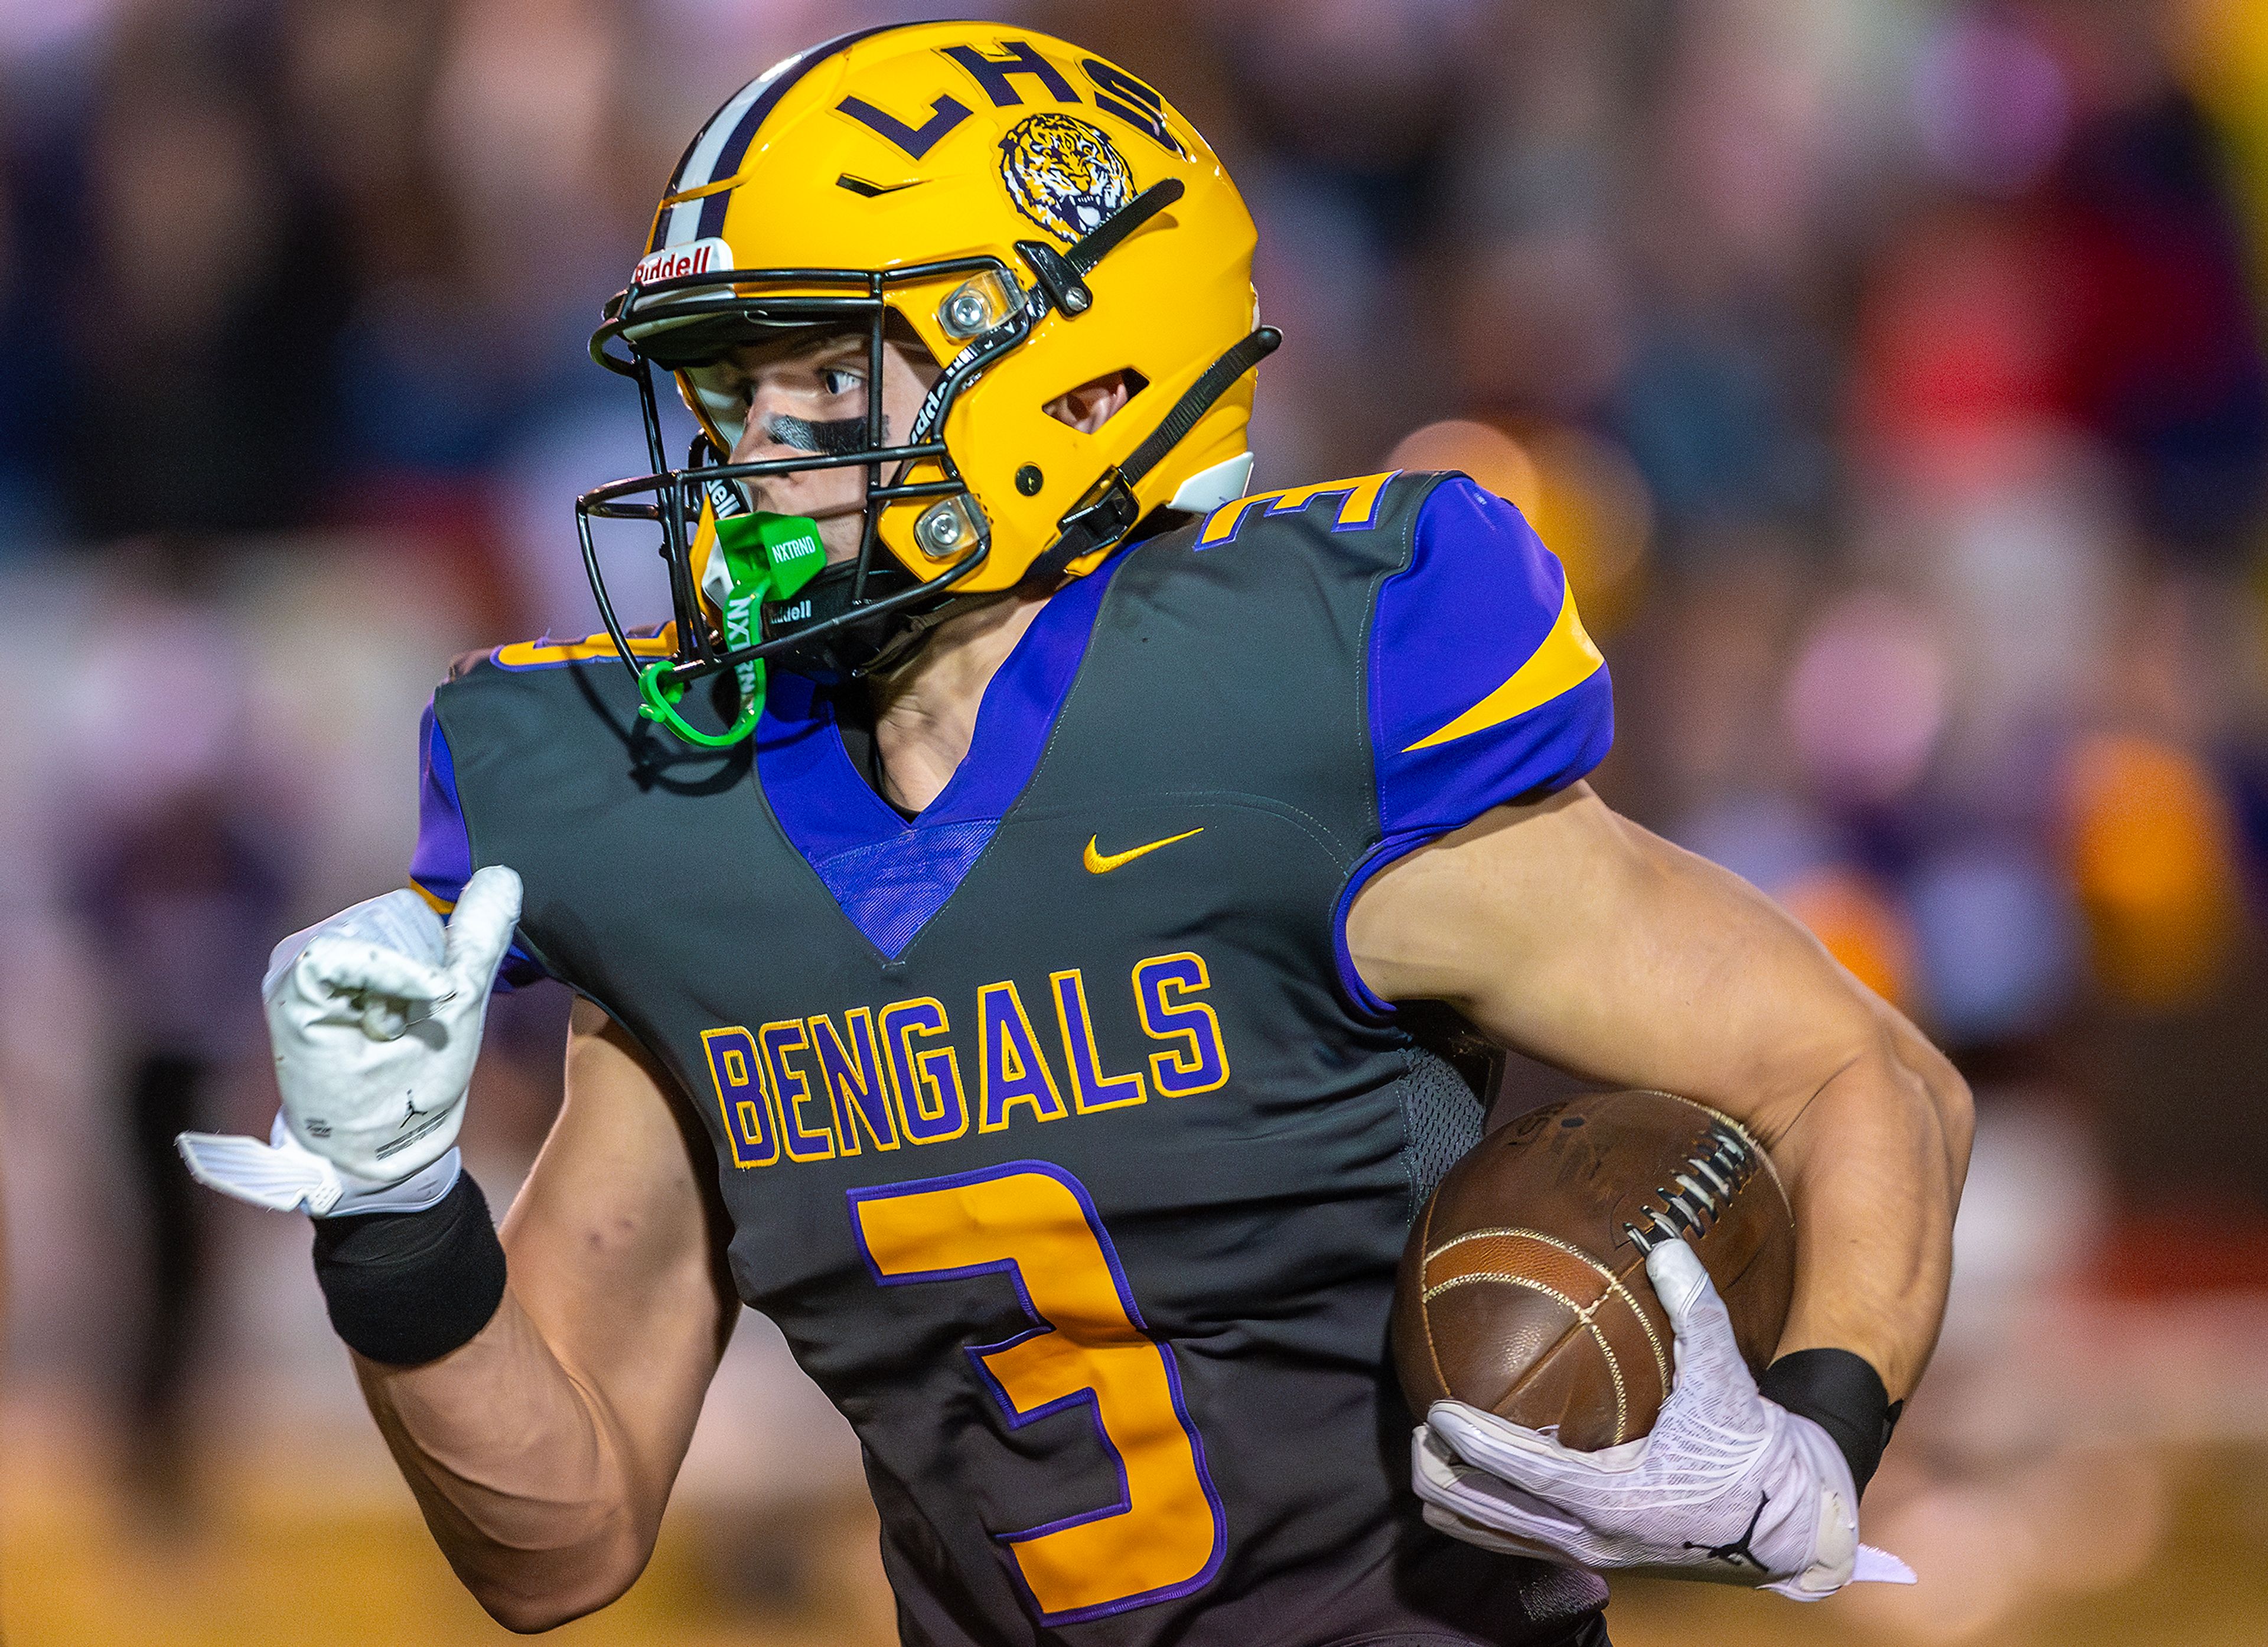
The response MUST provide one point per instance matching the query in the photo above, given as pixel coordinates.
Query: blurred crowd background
(1889, 373)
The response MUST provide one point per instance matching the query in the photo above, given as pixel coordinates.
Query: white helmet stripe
(718, 151)
(679, 223)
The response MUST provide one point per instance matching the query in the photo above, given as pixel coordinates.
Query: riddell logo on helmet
(673, 262)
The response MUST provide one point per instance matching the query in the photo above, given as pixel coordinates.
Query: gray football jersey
(1057, 1131)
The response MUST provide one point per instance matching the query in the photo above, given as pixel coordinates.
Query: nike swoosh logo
(1103, 863)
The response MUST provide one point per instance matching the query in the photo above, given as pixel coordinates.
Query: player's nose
(759, 440)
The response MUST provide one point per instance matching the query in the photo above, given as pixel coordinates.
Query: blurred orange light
(1583, 495)
(2151, 856)
(1860, 927)
(1481, 450)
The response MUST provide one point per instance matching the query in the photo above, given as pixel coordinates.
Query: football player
(988, 904)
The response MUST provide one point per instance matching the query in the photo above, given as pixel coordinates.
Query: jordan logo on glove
(1733, 1553)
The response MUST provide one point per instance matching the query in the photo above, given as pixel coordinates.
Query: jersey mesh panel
(891, 888)
(1440, 1122)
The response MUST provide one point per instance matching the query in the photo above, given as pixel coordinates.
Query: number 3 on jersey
(1033, 1223)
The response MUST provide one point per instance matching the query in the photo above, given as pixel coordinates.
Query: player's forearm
(526, 1490)
(1873, 1165)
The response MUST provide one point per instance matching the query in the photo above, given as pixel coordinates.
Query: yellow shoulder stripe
(530, 654)
(1566, 658)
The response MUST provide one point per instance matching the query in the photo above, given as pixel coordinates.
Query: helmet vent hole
(1029, 480)
(1083, 408)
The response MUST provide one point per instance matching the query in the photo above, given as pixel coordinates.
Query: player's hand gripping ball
(375, 1017)
(1726, 1486)
(1578, 1411)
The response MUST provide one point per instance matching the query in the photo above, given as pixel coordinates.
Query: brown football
(1523, 1289)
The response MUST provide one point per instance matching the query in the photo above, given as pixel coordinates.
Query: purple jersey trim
(1480, 594)
(889, 876)
(442, 861)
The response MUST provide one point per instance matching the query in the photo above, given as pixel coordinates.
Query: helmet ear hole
(1077, 406)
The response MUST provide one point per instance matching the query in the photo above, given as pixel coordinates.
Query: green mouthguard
(766, 557)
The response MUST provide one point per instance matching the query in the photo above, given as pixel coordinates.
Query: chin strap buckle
(1058, 277)
(1108, 512)
(1062, 274)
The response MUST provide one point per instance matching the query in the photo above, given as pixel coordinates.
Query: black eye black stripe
(833, 437)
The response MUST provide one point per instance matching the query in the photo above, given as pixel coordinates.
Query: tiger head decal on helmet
(892, 179)
(1064, 174)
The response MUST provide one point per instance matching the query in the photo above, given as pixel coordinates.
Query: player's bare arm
(1584, 940)
(538, 1390)
(544, 1451)
(1574, 935)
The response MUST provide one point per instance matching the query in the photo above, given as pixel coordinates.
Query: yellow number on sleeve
(1035, 1221)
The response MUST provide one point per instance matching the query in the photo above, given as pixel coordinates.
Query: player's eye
(839, 379)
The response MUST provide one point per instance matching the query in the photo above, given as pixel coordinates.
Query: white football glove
(375, 1016)
(1728, 1486)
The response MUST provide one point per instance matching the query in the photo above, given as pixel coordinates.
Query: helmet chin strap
(889, 643)
(843, 650)
(1109, 511)
(1101, 518)
(899, 652)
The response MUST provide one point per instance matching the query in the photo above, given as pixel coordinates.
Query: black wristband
(1844, 1396)
(409, 1286)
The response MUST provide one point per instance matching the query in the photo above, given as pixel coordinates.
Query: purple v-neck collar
(888, 875)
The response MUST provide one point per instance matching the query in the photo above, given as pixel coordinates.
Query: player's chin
(824, 499)
(840, 530)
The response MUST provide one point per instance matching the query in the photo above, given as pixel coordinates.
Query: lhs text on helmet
(1064, 174)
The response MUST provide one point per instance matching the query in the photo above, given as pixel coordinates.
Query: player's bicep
(1584, 940)
(615, 1244)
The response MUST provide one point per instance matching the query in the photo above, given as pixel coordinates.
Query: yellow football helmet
(1038, 217)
